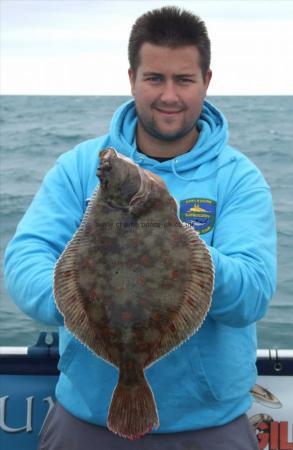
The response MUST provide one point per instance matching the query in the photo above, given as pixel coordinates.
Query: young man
(202, 389)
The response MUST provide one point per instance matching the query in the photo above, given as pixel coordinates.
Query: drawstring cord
(232, 159)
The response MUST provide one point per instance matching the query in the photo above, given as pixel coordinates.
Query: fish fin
(196, 298)
(132, 411)
(69, 299)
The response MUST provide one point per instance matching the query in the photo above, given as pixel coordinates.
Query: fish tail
(133, 411)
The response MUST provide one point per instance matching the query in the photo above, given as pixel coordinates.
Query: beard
(150, 126)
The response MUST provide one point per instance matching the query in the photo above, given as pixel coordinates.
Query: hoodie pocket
(205, 390)
(229, 380)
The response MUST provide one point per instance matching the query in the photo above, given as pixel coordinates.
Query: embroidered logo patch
(199, 213)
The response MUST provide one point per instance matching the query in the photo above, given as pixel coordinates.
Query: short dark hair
(169, 27)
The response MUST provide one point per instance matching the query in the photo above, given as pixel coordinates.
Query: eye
(185, 80)
(154, 78)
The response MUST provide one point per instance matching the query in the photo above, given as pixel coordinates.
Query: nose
(169, 92)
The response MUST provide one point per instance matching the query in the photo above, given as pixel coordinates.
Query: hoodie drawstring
(195, 178)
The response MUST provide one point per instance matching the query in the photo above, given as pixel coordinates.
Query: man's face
(169, 90)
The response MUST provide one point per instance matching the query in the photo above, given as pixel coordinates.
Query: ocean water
(35, 130)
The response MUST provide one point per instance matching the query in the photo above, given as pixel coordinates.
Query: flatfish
(133, 283)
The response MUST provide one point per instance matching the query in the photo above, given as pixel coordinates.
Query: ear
(208, 78)
(131, 76)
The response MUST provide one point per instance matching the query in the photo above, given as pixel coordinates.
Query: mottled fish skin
(133, 283)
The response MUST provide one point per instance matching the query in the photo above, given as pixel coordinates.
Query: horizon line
(130, 96)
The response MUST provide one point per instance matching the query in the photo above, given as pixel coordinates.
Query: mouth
(168, 112)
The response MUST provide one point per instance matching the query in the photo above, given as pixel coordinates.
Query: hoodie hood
(213, 136)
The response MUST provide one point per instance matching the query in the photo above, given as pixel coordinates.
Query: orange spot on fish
(156, 316)
(141, 280)
(120, 289)
(166, 285)
(126, 315)
(106, 332)
(88, 263)
(136, 241)
(137, 332)
(93, 295)
(174, 274)
(175, 237)
(144, 259)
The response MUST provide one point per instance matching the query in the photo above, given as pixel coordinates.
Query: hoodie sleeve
(41, 236)
(244, 253)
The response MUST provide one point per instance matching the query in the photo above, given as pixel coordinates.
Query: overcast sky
(79, 47)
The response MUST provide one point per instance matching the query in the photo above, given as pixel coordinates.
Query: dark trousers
(62, 431)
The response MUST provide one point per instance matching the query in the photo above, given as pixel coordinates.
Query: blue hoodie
(207, 380)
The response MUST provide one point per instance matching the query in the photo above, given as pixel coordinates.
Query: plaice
(133, 283)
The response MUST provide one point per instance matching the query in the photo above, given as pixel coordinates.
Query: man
(202, 389)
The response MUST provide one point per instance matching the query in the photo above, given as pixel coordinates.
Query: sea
(35, 130)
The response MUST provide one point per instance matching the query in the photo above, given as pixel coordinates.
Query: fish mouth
(106, 163)
(107, 153)
(108, 157)
(120, 179)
